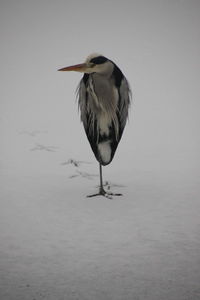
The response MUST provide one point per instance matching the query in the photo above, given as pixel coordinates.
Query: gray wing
(124, 103)
(85, 115)
(124, 92)
(82, 101)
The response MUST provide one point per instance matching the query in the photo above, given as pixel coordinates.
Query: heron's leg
(101, 189)
(102, 192)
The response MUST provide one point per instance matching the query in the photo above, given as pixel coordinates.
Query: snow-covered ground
(55, 243)
(58, 244)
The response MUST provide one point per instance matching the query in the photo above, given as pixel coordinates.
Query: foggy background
(156, 44)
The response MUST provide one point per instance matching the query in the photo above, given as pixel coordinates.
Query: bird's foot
(104, 193)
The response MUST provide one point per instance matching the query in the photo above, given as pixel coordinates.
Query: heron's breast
(104, 123)
(103, 103)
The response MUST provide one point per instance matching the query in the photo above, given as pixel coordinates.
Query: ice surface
(58, 244)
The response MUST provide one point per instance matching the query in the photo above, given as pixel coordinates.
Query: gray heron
(104, 100)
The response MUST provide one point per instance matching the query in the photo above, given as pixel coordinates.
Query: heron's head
(95, 63)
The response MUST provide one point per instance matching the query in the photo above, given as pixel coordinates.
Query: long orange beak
(77, 68)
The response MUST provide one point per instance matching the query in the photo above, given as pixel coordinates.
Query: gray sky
(155, 43)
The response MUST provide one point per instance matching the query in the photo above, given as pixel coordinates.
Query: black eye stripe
(98, 60)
